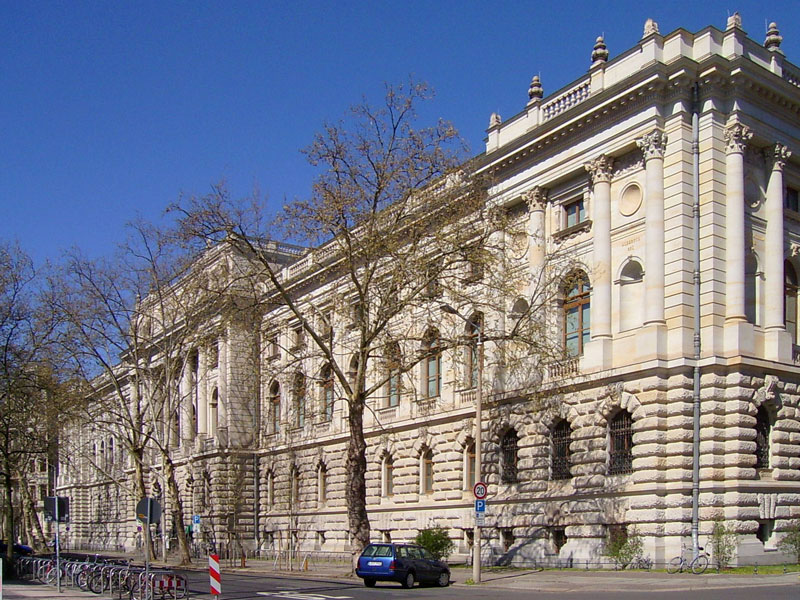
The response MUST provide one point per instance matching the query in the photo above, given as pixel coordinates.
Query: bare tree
(132, 322)
(395, 217)
(31, 393)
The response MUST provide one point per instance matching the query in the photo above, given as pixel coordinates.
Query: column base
(597, 355)
(739, 339)
(651, 342)
(778, 345)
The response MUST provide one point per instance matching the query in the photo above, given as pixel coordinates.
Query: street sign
(480, 490)
(480, 519)
(148, 509)
(196, 520)
(56, 508)
(480, 506)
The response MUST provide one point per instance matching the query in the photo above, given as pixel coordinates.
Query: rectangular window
(273, 348)
(394, 388)
(791, 200)
(433, 366)
(574, 212)
(298, 337)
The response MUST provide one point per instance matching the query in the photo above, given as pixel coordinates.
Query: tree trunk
(34, 529)
(141, 489)
(356, 490)
(174, 495)
(8, 534)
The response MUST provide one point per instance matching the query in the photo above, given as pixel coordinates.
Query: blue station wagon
(404, 563)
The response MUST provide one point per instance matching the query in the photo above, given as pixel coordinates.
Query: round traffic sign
(480, 490)
(148, 507)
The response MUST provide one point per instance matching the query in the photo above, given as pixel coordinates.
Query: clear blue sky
(110, 110)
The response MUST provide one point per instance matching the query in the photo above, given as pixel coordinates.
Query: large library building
(666, 178)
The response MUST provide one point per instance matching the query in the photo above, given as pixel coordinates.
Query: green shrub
(723, 544)
(436, 540)
(790, 542)
(623, 547)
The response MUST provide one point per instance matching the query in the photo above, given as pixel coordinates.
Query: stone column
(185, 391)
(599, 355)
(736, 138)
(653, 146)
(202, 390)
(778, 344)
(738, 333)
(536, 199)
(494, 352)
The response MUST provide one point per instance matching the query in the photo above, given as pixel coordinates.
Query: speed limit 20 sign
(479, 490)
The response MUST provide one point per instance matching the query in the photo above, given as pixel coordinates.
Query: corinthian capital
(535, 198)
(736, 138)
(653, 144)
(600, 169)
(777, 156)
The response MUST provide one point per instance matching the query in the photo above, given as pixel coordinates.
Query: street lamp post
(476, 534)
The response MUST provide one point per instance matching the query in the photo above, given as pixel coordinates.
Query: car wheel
(369, 582)
(408, 582)
(444, 579)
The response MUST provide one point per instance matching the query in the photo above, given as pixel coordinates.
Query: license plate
(374, 563)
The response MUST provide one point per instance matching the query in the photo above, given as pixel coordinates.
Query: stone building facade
(605, 170)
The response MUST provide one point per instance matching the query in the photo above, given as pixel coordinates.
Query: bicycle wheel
(675, 565)
(699, 564)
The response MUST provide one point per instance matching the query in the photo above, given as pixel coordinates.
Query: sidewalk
(19, 590)
(527, 580)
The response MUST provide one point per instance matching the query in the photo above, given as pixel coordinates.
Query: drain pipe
(696, 278)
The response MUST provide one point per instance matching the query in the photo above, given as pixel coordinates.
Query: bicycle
(697, 565)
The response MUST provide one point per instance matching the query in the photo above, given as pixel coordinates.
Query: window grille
(621, 432)
(561, 463)
(762, 438)
(509, 449)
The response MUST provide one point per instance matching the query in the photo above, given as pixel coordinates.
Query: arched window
(790, 299)
(388, 475)
(561, 437)
(631, 296)
(426, 472)
(213, 413)
(620, 429)
(509, 447)
(111, 456)
(432, 365)
(751, 277)
(327, 392)
(275, 406)
(576, 314)
(299, 399)
(763, 429)
(393, 363)
(473, 331)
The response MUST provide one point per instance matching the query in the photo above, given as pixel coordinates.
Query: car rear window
(381, 550)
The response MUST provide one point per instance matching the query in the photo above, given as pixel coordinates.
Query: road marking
(301, 596)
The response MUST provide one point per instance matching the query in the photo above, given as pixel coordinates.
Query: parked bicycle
(697, 565)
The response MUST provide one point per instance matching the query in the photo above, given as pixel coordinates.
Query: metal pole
(147, 544)
(58, 551)
(476, 536)
(696, 390)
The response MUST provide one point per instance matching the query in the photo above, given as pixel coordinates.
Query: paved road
(258, 587)
(527, 585)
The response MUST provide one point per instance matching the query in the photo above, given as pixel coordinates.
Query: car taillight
(392, 566)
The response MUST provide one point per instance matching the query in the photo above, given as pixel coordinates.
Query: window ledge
(573, 230)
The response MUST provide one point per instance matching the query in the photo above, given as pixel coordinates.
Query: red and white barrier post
(213, 574)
